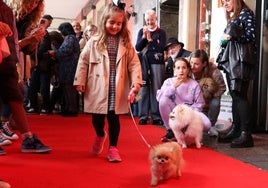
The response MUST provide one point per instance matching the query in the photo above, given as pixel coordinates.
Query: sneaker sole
(35, 151)
(14, 137)
(5, 143)
(44, 114)
(114, 160)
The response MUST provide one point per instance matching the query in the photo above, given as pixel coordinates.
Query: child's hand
(80, 88)
(177, 82)
(131, 96)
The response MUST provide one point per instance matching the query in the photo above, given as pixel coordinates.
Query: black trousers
(241, 112)
(98, 121)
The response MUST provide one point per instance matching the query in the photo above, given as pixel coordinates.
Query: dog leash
(136, 126)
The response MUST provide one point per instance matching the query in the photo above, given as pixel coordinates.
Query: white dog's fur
(186, 125)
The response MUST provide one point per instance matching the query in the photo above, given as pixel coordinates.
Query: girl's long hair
(124, 33)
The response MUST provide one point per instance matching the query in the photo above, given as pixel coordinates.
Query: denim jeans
(40, 82)
(214, 110)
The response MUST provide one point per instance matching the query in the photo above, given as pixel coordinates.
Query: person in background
(41, 72)
(150, 44)
(67, 55)
(27, 14)
(115, 77)
(89, 31)
(78, 30)
(203, 69)
(9, 92)
(180, 89)
(6, 134)
(56, 39)
(240, 31)
(173, 49)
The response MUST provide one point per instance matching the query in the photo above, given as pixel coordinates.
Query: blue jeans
(214, 110)
(5, 110)
(40, 82)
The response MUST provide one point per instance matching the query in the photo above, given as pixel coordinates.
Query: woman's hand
(225, 37)
(147, 34)
(38, 33)
(80, 88)
(51, 53)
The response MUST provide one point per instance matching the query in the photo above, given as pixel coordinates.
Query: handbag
(247, 53)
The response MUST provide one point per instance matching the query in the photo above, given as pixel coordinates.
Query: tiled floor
(257, 155)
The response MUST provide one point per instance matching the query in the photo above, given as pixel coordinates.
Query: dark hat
(173, 40)
(48, 17)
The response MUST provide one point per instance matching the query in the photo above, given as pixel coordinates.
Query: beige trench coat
(93, 73)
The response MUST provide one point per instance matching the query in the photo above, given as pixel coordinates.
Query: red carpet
(71, 164)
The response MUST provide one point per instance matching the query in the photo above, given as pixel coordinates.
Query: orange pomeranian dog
(166, 161)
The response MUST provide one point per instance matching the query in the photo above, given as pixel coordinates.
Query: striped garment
(112, 48)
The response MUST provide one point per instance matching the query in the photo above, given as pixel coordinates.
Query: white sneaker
(3, 140)
(213, 132)
(7, 132)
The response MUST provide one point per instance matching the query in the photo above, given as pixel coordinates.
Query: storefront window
(205, 25)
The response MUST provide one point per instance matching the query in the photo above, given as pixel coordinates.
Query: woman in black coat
(238, 61)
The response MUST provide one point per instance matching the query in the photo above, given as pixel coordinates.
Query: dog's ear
(180, 108)
(153, 149)
(152, 153)
(172, 149)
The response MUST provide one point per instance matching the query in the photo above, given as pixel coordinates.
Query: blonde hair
(20, 8)
(124, 33)
(91, 28)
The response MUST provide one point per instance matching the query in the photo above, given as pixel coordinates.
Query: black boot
(228, 137)
(245, 140)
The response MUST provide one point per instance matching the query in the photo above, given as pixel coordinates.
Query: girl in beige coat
(109, 74)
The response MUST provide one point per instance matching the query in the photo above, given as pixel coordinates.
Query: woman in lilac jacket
(180, 89)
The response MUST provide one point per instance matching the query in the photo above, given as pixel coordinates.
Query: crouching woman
(180, 89)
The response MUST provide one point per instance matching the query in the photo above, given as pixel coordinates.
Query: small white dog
(166, 161)
(186, 125)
